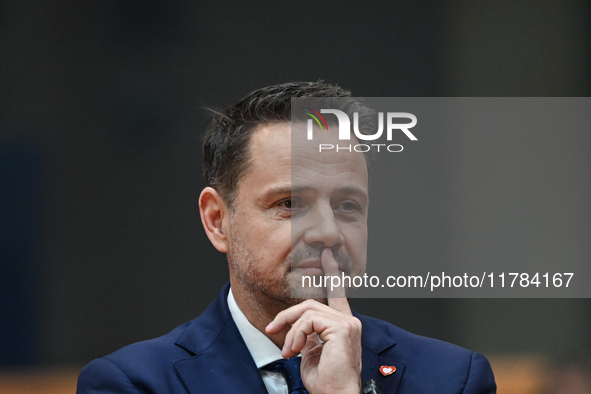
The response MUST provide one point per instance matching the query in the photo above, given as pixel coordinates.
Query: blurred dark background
(101, 117)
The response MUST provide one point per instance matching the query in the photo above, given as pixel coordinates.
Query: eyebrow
(288, 189)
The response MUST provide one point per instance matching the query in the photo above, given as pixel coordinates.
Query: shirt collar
(261, 348)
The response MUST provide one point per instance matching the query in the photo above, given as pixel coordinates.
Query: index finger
(337, 298)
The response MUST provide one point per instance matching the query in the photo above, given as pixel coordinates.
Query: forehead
(278, 156)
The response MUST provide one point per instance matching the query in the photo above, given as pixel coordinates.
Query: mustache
(314, 252)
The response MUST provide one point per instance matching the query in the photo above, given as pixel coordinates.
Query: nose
(322, 228)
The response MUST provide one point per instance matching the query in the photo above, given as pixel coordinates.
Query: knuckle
(308, 314)
(354, 324)
(309, 303)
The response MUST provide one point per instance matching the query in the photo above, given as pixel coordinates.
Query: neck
(260, 310)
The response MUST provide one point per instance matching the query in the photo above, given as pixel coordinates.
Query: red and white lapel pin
(387, 369)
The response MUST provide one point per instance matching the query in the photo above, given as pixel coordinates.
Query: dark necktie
(290, 368)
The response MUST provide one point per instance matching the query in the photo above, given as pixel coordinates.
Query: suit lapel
(375, 346)
(221, 361)
(371, 370)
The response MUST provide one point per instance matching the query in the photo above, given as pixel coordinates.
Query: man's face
(289, 207)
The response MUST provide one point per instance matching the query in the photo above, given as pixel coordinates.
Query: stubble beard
(256, 283)
(246, 266)
(260, 284)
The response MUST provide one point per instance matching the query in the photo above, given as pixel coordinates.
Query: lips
(307, 260)
(311, 266)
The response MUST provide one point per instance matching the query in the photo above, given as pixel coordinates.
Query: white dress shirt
(261, 348)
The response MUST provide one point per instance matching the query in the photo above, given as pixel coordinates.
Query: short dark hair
(226, 143)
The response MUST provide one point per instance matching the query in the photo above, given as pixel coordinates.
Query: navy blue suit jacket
(208, 355)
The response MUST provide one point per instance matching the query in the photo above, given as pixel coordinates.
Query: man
(281, 212)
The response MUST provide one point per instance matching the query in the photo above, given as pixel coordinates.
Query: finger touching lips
(337, 298)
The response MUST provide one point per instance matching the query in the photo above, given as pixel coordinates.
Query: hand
(333, 366)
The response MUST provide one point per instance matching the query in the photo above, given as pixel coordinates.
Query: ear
(214, 216)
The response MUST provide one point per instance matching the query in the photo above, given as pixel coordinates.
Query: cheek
(355, 235)
(272, 242)
(280, 240)
(356, 242)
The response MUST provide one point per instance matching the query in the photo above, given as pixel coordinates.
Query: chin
(295, 301)
(299, 294)
(318, 293)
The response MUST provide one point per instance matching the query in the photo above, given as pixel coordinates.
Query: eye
(289, 203)
(349, 206)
